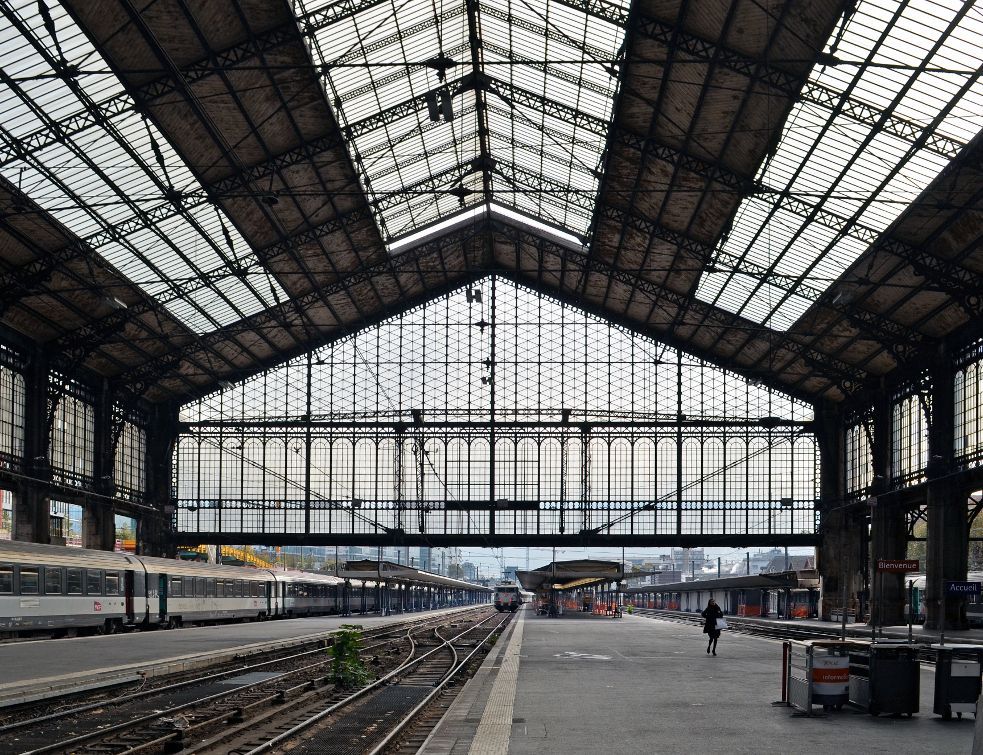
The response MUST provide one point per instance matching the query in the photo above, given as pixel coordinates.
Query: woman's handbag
(721, 624)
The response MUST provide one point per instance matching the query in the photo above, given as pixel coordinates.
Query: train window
(199, 587)
(189, 587)
(112, 583)
(93, 582)
(254, 589)
(52, 580)
(177, 587)
(6, 579)
(210, 587)
(238, 588)
(73, 581)
(29, 584)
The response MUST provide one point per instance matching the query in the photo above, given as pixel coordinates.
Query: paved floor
(644, 686)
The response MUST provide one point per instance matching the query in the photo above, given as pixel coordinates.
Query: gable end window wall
(968, 395)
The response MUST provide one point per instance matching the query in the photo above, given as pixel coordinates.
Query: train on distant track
(509, 596)
(974, 604)
(67, 590)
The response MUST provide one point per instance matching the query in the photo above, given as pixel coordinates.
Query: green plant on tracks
(347, 667)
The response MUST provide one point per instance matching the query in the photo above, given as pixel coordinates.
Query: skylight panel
(543, 73)
(107, 177)
(861, 170)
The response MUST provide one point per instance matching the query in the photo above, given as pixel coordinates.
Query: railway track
(776, 631)
(394, 714)
(165, 718)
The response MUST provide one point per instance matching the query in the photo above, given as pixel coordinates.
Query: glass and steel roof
(448, 104)
(897, 96)
(72, 141)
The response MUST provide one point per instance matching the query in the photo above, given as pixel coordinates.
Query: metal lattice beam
(401, 264)
(797, 87)
(835, 370)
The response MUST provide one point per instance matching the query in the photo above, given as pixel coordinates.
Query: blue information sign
(962, 588)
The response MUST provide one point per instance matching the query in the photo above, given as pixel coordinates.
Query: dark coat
(711, 614)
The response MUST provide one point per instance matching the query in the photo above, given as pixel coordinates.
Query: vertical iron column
(491, 418)
(153, 529)
(31, 504)
(888, 525)
(679, 443)
(307, 450)
(98, 520)
(947, 548)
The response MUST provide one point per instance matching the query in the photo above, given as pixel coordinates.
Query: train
(974, 603)
(50, 588)
(509, 596)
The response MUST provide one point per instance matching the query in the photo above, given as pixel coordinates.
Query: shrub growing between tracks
(347, 668)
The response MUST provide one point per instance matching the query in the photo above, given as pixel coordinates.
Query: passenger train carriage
(49, 587)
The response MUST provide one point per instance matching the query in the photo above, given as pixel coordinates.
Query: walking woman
(711, 614)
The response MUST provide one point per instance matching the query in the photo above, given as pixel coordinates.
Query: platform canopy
(568, 575)
(376, 571)
(807, 578)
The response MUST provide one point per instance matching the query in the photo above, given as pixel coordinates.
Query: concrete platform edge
(455, 732)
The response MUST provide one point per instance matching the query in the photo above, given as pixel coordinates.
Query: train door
(128, 585)
(270, 586)
(162, 596)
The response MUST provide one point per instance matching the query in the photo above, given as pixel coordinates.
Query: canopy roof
(367, 569)
(807, 578)
(568, 575)
(193, 191)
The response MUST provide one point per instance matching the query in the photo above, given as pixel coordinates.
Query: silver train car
(66, 590)
(509, 596)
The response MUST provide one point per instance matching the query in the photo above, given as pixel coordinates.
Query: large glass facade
(969, 406)
(495, 403)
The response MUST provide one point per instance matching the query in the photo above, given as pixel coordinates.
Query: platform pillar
(31, 515)
(841, 553)
(154, 529)
(888, 540)
(32, 506)
(888, 525)
(946, 554)
(947, 546)
(98, 527)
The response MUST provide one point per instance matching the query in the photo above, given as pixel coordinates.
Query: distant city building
(791, 563)
(669, 577)
(689, 561)
(470, 571)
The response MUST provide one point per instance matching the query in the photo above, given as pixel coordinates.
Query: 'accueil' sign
(962, 588)
(900, 565)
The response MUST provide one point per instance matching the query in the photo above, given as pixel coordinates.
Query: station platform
(639, 685)
(34, 669)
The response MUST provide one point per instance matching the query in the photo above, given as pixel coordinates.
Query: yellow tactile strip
(495, 728)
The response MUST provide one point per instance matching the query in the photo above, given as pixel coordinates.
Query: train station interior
(290, 289)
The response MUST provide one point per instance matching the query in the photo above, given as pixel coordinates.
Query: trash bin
(817, 673)
(957, 679)
(884, 678)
